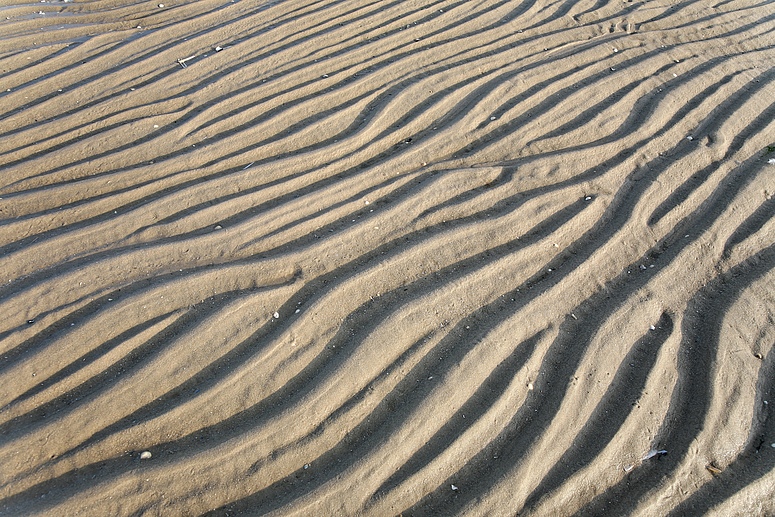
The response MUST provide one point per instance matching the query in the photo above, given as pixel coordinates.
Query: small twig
(182, 62)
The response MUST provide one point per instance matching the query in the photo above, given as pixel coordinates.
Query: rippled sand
(330, 257)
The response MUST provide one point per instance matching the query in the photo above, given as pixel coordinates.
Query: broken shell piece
(276, 315)
(145, 455)
(713, 469)
(454, 488)
(628, 468)
(654, 452)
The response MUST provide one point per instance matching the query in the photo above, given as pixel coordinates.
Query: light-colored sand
(323, 257)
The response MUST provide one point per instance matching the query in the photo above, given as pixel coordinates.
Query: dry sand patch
(331, 257)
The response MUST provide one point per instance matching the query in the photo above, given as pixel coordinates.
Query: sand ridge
(330, 257)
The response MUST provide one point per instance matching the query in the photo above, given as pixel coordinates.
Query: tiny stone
(161, 5)
(146, 455)
(276, 315)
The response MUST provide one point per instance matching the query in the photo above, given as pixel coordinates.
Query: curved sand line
(377, 258)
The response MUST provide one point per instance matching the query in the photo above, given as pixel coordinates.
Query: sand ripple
(334, 257)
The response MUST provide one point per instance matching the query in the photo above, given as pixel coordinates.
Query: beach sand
(344, 257)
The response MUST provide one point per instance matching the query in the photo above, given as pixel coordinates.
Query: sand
(345, 257)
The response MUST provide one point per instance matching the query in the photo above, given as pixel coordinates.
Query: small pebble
(146, 455)
(454, 488)
(276, 315)
(161, 5)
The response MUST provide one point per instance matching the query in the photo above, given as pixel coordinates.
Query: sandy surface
(323, 257)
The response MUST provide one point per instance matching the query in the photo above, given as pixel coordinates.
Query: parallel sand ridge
(377, 257)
